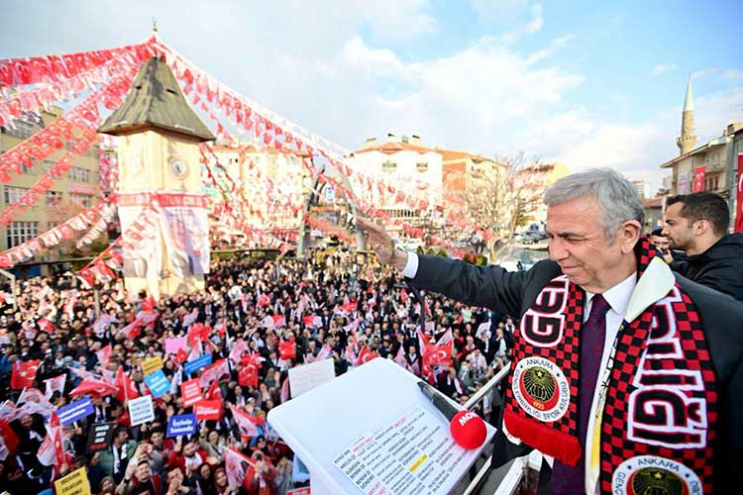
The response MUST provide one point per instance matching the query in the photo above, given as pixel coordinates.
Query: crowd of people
(257, 319)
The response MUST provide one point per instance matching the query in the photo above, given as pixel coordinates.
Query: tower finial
(687, 139)
(154, 24)
(689, 100)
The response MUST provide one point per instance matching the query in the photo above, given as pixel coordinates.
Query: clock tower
(161, 204)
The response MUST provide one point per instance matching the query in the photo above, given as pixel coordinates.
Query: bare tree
(59, 211)
(498, 197)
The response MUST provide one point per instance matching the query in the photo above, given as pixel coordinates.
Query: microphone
(467, 428)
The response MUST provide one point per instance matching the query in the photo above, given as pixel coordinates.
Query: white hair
(616, 196)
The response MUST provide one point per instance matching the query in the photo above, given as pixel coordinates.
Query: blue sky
(587, 83)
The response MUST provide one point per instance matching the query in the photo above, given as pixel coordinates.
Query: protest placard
(198, 363)
(175, 344)
(99, 437)
(75, 483)
(300, 491)
(208, 409)
(151, 365)
(306, 377)
(157, 383)
(191, 392)
(141, 410)
(77, 410)
(184, 424)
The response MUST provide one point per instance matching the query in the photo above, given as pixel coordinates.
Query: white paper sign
(141, 410)
(306, 377)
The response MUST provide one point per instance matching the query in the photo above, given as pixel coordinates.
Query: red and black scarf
(657, 413)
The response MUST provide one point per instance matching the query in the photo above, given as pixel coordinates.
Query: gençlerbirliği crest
(647, 474)
(541, 389)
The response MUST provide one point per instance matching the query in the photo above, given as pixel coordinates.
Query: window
(389, 167)
(80, 174)
(53, 197)
(13, 194)
(84, 200)
(20, 232)
(421, 167)
(93, 151)
(51, 225)
(21, 130)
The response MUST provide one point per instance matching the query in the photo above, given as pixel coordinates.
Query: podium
(372, 431)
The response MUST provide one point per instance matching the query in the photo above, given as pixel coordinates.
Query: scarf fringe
(549, 441)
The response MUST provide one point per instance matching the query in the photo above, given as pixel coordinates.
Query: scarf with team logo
(658, 406)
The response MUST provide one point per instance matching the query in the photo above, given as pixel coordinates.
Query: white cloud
(463, 99)
(536, 23)
(500, 12)
(583, 139)
(309, 62)
(516, 17)
(398, 20)
(662, 68)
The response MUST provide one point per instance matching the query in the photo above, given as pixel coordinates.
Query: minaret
(688, 139)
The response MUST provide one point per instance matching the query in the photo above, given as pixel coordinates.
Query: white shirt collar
(618, 296)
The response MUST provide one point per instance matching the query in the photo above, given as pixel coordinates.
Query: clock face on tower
(178, 167)
(135, 166)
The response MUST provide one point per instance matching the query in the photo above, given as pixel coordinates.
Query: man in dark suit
(622, 372)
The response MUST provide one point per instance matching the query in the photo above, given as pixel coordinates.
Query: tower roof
(156, 100)
(689, 100)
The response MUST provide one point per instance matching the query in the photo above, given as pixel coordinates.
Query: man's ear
(700, 227)
(628, 235)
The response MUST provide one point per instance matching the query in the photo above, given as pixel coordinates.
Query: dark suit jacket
(513, 293)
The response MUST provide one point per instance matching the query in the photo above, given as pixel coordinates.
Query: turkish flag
(9, 439)
(23, 374)
(125, 387)
(181, 356)
(198, 332)
(437, 355)
(312, 321)
(95, 388)
(149, 304)
(132, 330)
(699, 178)
(214, 392)
(248, 376)
(287, 350)
(45, 325)
(350, 306)
(56, 434)
(739, 198)
(366, 355)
